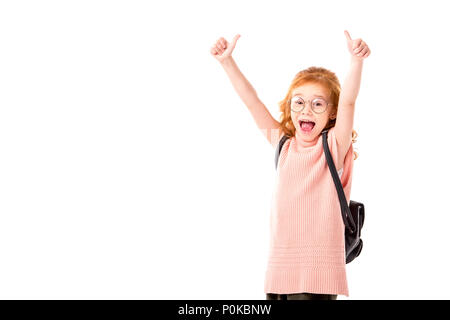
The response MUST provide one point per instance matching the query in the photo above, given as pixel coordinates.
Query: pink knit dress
(307, 244)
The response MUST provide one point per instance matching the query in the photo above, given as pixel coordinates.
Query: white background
(131, 169)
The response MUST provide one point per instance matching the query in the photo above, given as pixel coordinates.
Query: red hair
(316, 75)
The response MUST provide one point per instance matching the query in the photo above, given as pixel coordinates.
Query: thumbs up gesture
(222, 49)
(357, 47)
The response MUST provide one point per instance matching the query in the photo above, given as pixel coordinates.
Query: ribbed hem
(323, 280)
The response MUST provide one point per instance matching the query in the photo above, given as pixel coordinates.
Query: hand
(358, 48)
(222, 49)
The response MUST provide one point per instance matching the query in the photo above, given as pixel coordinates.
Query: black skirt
(300, 296)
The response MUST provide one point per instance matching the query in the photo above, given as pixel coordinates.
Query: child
(307, 244)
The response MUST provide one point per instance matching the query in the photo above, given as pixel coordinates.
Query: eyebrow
(314, 95)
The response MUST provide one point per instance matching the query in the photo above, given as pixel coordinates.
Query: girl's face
(308, 92)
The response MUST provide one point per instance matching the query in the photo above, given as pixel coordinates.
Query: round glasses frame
(310, 103)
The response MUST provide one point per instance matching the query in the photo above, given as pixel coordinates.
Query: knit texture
(307, 243)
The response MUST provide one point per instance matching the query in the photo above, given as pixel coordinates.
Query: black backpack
(350, 213)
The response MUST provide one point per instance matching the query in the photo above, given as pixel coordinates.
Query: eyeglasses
(318, 105)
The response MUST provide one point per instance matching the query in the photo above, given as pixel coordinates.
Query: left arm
(346, 108)
(350, 87)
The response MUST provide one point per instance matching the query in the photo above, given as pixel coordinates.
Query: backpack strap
(278, 150)
(345, 210)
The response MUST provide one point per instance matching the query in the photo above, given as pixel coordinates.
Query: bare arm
(261, 115)
(352, 83)
(346, 108)
(350, 89)
(263, 118)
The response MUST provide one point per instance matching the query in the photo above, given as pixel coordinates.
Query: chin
(309, 135)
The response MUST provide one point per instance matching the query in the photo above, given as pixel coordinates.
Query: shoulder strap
(345, 210)
(280, 145)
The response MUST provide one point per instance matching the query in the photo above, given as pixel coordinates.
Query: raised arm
(264, 120)
(344, 120)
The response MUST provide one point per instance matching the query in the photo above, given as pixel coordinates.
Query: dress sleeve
(273, 136)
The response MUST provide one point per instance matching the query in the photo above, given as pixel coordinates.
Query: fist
(357, 48)
(222, 49)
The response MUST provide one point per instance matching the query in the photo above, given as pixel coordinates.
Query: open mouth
(307, 126)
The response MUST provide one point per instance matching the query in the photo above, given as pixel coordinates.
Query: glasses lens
(297, 103)
(319, 105)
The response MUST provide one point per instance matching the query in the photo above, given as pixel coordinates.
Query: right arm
(261, 115)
